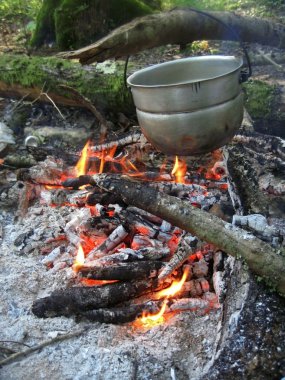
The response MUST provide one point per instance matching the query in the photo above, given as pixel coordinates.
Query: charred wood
(75, 183)
(245, 172)
(183, 251)
(122, 314)
(261, 258)
(75, 300)
(122, 271)
(133, 138)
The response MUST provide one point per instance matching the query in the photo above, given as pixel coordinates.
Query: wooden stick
(123, 314)
(73, 300)
(24, 354)
(260, 257)
(122, 271)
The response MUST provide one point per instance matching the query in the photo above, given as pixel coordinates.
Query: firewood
(116, 237)
(75, 183)
(260, 257)
(183, 251)
(133, 138)
(191, 304)
(122, 314)
(122, 271)
(130, 255)
(75, 300)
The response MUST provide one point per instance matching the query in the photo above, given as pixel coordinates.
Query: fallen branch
(179, 26)
(23, 354)
(260, 257)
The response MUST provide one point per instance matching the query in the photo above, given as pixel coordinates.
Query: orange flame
(150, 320)
(79, 260)
(82, 164)
(175, 286)
(179, 170)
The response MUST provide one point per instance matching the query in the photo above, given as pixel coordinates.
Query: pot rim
(238, 60)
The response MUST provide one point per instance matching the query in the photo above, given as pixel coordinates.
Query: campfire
(126, 264)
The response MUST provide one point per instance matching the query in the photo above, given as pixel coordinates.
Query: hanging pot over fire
(193, 105)
(189, 106)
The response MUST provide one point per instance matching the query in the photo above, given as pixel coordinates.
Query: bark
(122, 271)
(79, 299)
(179, 26)
(260, 257)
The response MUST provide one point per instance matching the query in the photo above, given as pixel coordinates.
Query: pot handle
(245, 73)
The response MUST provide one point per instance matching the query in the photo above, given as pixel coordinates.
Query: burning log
(133, 138)
(184, 250)
(122, 314)
(75, 183)
(261, 258)
(116, 237)
(122, 271)
(75, 300)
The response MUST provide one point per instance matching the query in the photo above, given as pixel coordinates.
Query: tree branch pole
(260, 257)
(179, 26)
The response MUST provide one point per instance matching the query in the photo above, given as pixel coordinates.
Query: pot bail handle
(247, 72)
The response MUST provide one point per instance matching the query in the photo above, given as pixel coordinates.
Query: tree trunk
(180, 26)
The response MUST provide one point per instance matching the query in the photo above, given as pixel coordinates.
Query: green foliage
(259, 97)
(14, 10)
(253, 7)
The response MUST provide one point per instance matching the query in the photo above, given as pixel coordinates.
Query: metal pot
(189, 106)
(190, 133)
(187, 84)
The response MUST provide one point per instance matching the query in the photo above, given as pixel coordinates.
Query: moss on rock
(259, 98)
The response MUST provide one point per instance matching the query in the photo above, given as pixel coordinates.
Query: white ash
(106, 351)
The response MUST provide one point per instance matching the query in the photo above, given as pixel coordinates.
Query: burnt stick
(74, 300)
(122, 271)
(122, 314)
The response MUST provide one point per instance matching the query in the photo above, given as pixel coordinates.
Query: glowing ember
(179, 170)
(82, 165)
(79, 260)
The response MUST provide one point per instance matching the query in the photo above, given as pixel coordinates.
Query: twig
(86, 103)
(270, 60)
(50, 99)
(45, 343)
(53, 103)
(13, 341)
